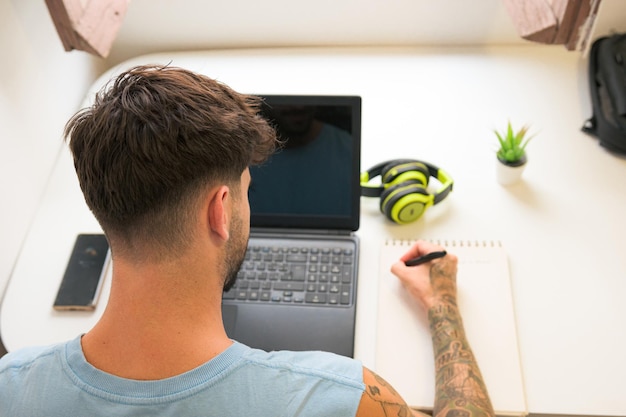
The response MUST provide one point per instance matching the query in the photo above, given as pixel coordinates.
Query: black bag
(607, 83)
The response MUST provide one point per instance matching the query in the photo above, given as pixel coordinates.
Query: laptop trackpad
(282, 327)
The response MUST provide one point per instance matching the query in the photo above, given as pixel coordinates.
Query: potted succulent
(511, 154)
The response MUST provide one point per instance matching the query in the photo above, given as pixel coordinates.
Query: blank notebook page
(404, 352)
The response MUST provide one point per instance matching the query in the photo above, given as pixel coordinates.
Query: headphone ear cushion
(405, 170)
(404, 202)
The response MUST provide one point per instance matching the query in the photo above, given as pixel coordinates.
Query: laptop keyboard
(321, 276)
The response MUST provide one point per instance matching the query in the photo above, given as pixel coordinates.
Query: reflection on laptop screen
(314, 175)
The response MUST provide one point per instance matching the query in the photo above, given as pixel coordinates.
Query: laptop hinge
(321, 232)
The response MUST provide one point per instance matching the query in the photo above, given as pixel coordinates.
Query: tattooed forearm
(460, 390)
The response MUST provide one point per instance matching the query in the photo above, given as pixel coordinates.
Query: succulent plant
(512, 149)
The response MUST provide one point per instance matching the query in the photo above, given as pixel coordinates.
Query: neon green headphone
(403, 189)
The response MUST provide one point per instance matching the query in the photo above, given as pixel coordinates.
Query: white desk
(563, 227)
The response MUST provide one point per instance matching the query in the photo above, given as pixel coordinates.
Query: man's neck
(161, 320)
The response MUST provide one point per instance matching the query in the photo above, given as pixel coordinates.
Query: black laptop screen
(312, 181)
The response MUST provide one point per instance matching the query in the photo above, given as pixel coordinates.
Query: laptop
(296, 289)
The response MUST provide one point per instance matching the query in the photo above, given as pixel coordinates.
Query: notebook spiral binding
(447, 243)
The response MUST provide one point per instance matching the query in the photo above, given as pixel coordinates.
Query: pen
(425, 258)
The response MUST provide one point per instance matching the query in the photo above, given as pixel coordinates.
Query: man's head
(154, 141)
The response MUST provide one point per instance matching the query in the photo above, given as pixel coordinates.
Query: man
(162, 158)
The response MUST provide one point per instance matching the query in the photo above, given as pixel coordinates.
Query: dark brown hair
(156, 136)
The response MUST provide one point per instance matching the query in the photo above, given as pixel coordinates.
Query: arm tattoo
(459, 387)
(390, 402)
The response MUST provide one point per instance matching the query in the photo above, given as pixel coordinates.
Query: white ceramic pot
(510, 173)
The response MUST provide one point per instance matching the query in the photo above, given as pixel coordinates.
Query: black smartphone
(86, 269)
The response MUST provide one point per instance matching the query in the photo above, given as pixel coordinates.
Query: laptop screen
(312, 181)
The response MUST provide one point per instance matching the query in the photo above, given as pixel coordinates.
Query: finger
(398, 269)
(407, 274)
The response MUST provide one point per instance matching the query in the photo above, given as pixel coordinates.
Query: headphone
(403, 194)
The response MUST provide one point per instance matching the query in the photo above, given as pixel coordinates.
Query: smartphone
(84, 274)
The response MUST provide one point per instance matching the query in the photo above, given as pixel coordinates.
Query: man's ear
(219, 211)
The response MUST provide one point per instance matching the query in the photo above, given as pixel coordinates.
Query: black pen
(425, 258)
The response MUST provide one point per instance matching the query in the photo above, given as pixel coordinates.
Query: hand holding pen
(430, 285)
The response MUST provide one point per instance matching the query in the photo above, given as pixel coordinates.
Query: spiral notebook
(404, 353)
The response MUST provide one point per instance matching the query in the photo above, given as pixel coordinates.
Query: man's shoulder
(26, 358)
(311, 363)
(327, 384)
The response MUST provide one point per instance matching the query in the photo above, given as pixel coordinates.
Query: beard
(235, 252)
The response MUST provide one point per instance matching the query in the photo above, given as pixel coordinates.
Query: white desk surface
(563, 226)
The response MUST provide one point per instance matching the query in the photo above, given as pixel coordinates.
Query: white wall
(164, 25)
(40, 87)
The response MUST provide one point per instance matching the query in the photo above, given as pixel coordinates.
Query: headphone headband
(443, 177)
